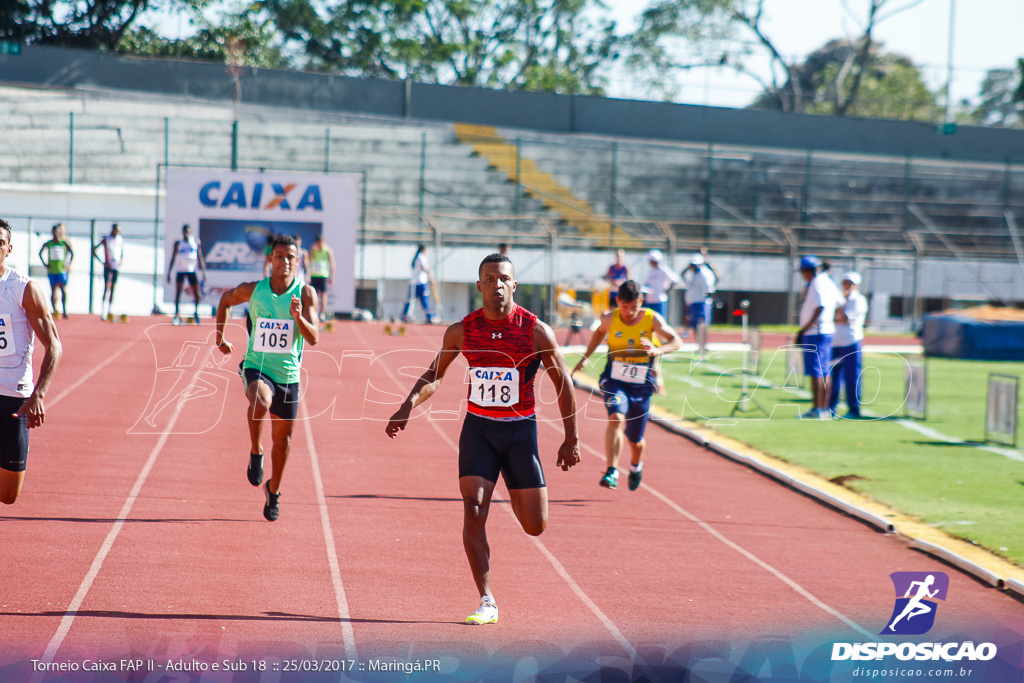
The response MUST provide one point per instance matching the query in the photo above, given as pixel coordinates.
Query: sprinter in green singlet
(282, 317)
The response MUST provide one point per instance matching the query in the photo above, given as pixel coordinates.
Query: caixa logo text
(262, 196)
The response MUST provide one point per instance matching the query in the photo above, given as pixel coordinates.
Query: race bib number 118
(494, 387)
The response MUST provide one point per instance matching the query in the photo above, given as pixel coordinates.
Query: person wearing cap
(700, 279)
(817, 327)
(846, 350)
(658, 284)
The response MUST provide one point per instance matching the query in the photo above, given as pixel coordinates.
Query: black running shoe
(271, 510)
(255, 471)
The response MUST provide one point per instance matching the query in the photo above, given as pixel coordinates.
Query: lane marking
(347, 632)
(84, 378)
(743, 551)
(558, 567)
(83, 589)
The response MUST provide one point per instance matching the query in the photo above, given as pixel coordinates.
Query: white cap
(654, 255)
(697, 259)
(852, 276)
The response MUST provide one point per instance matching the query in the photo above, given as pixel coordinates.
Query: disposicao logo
(914, 614)
(916, 595)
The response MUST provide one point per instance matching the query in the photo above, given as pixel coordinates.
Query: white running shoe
(487, 613)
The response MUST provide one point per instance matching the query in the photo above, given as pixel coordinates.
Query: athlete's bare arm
(669, 337)
(233, 297)
(545, 345)
(39, 318)
(306, 315)
(595, 340)
(430, 380)
(202, 261)
(174, 255)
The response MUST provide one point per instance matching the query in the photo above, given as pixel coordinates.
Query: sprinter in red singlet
(505, 345)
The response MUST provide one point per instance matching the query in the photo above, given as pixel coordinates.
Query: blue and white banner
(234, 215)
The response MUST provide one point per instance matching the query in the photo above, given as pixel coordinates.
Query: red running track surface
(138, 537)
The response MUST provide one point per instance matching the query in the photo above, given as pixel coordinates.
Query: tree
(1002, 99)
(551, 45)
(728, 32)
(890, 87)
(97, 24)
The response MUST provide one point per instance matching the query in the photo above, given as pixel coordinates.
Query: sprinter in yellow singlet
(636, 337)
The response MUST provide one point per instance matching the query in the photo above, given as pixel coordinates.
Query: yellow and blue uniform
(628, 383)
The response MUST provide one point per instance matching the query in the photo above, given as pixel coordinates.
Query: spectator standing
(321, 269)
(700, 280)
(618, 273)
(658, 284)
(817, 327)
(418, 283)
(850, 317)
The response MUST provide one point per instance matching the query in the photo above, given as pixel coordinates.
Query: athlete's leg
(476, 502)
(531, 509)
(282, 433)
(64, 299)
(10, 486)
(113, 283)
(260, 396)
(637, 451)
(613, 439)
(177, 295)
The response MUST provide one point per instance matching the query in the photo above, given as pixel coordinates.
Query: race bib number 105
(6, 335)
(494, 387)
(273, 335)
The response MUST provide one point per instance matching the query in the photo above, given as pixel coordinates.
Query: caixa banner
(233, 217)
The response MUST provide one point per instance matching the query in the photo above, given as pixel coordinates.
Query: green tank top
(320, 264)
(275, 344)
(56, 256)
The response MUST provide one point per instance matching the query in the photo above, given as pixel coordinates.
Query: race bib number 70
(494, 387)
(633, 373)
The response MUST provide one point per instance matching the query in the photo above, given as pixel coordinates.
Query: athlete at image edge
(261, 395)
(530, 505)
(630, 317)
(31, 412)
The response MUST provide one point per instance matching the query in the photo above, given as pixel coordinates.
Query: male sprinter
(504, 345)
(57, 259)
(188, 252)
(636, 336)
(113, 251)
(282, 314)
(23, 316)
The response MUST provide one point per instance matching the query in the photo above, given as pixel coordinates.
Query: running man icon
(919, 589)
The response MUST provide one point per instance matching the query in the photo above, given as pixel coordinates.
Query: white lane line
(746, 553)
(84, 378)
(347, 633)
(561, 570)
(108, 543)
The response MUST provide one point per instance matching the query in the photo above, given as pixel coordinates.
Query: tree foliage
(1002, 98)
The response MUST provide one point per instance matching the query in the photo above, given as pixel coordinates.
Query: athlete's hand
(568, 454)
(397, 422)
(33, 408)
(296, 308)
(225, 347)
(579, 366)
(649, 347)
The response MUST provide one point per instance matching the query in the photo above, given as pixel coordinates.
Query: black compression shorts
(13, 435)
(489, 447)
(285, 403)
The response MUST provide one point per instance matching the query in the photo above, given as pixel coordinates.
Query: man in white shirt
(700, 285)
(113, 251)
(658, 284)
(817, 327)
(846, 349)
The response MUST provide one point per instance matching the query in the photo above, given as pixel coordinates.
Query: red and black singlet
(502, 363)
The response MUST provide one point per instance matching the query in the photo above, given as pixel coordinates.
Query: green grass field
(962, 489)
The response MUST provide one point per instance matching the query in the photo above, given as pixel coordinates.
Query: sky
(987, 34)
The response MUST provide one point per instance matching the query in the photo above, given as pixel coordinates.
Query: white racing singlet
(188, 255)
(16, 337)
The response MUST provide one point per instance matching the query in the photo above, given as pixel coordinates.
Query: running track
(138, 537)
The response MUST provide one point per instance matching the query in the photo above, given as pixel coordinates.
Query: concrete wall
(567, 114)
